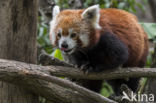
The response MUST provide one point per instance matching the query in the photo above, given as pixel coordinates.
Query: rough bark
(64, 71)
(28, 75)
(60, 68)
(18, 30)
(31, 76)
(152, 4)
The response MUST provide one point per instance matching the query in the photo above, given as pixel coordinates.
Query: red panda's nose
(64, 45)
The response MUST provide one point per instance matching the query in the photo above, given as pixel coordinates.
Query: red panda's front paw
(86, 68)
(76, 66)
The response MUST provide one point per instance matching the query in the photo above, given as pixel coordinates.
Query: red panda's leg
(109, 53)
(94, 85)
(132, 83)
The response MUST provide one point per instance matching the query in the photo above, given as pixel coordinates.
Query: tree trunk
(152, 4)
(18, 29)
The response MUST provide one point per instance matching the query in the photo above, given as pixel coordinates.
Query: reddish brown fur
(119, 22)
(126, 27)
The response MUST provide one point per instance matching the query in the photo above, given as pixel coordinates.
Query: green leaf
(57, 54)
(106, 90)
(150, 29)
(102, 6)
(133, 9)
(140, 6)
(48, 49)
(121, 5)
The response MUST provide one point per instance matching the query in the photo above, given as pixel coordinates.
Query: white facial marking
(70, 42)
(70, 31)
(84, 39)
(93, 15)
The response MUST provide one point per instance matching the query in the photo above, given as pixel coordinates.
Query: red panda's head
(72, 29)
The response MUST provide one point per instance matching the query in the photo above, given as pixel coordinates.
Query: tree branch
(107, 75)
(11, 70)
(61, 68)
(31, 75)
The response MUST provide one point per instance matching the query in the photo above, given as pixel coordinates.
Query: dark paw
(76, 66)
(79, 66)
(86, 68)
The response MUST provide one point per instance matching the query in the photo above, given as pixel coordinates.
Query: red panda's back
(126, 27)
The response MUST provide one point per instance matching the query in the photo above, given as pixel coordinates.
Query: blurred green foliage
(128, 5)
(43, 36)
(150, 28)
(106, 90)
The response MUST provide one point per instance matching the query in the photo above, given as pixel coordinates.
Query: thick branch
(68, 71)
(61, 68)
(29, 75)
(11, 71)
(107, 75)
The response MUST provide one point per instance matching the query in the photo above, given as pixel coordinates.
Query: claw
(86, 65)
(76, 66)
(82, 66)
(86, 72)
(90, 69)
(86, 68)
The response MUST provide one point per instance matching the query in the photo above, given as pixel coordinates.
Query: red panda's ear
(56, 11)
(92, 14)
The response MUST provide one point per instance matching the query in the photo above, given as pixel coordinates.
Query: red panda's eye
(59, 35)
(73, 35)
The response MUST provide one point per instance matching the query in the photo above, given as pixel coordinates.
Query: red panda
(97, 39)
